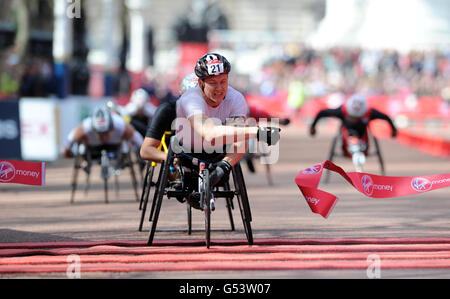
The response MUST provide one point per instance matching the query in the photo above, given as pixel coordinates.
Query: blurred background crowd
(277, 54)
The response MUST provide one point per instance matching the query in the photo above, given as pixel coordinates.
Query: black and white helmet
(211, 64)
(102, 121)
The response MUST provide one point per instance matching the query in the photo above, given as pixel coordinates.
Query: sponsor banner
(21, 172)
(38, 129)
(9, 130)
(374, 186)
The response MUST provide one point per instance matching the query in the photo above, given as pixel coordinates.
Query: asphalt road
(37, 214)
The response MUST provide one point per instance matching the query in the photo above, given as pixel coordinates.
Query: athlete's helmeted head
(212, 70)
(102, 121)
(356, 105)
(139, 98)
(190, 81)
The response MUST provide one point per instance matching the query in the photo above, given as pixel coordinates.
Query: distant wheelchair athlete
(102, 138)
(204, 172)
(354, 132)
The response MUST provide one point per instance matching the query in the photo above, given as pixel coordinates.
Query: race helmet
(139, 98)
(356, 105)
(190, 81)
(211, 64)
(102, 120)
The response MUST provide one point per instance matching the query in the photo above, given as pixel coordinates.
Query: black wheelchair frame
(111, 158)
(338, 137)
(163, 188)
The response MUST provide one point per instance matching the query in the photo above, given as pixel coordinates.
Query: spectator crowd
(423, 73)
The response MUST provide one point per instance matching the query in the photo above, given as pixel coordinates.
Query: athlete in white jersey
(102, 129)
(206, 114)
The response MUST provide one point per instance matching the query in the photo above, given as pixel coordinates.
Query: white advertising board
(38, 129)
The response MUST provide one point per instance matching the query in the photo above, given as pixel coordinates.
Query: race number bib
(215, 67)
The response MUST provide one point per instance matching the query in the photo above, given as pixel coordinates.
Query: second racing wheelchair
(112, 159)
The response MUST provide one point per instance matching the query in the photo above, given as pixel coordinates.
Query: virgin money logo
(7, 171)
(367, 184)
(421, 184)
(313, 170)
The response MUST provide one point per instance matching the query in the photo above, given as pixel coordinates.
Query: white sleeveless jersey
(116, 133)
(192, 103)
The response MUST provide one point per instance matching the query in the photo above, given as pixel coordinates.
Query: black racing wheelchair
(194, 186)
(112, 159)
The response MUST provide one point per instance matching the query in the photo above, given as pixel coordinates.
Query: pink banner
(20, 172)
(371, 185)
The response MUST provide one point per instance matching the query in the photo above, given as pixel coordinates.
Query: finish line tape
(370, 185)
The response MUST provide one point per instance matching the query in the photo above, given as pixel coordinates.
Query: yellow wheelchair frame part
(163, 145)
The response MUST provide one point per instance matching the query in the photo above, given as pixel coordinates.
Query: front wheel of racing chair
(78, 159)
(125, 160)
(148, 183)
(332, 154)
(206, 194)
(377, 152)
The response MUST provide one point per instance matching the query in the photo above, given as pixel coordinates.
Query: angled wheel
(378, 152)
(331, 156)
(146, 192)
(205, 198)
(77, 165)
(105, 172)
(159, 193)
(230, 207)
(158, 200)
(189, 218)
(244, 205)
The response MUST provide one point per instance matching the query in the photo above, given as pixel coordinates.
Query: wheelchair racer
(209, 115)
(140, 110)
(355, 116)
(161, 122)
(102, 130)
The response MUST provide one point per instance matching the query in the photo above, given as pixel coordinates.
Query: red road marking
(268, 254)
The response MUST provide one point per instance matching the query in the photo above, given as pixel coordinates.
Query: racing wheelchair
(356, 149)
(148, 183)
(112, 160)
(194, 173)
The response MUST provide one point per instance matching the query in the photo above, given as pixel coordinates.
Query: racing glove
(269, 135)
(220, 172)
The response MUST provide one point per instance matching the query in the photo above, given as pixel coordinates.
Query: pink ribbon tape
(371, 185)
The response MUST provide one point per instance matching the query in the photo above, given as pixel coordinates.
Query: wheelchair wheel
(230, 206)
(205, 199)
(144, 185)
(155, 194)
(146, 192)
(76, 168)
(378, 152)
(105, 187)
(158, 198)
(189, 218)
(331, 156)
(129, 163)
(243, 202)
